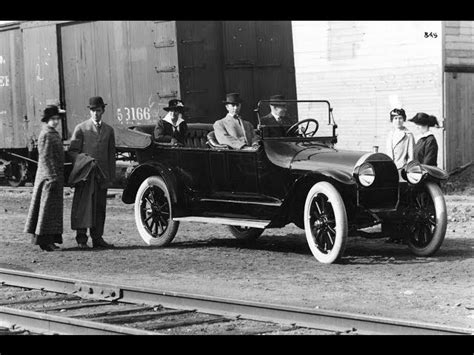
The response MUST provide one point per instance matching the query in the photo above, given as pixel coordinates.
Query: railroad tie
(123, 310)
(40, 299)
(72, 306)
(135, 318)
(185, 322)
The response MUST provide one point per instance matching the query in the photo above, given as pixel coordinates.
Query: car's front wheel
(245, 233)
(153, 212)
(428, 220)
(325, 222)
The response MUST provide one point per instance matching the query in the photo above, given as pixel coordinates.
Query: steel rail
(41, 322)
(304, 317)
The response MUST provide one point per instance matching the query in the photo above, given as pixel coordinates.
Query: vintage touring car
(295, 176)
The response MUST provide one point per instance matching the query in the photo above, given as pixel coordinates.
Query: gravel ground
(374, 277)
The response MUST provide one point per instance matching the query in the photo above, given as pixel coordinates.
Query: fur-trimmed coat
(45, 215)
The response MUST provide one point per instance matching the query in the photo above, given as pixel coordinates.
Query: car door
(233, 172)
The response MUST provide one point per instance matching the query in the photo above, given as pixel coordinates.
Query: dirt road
(374, 278)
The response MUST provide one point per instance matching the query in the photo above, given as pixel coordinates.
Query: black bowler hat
(276, 100)
(175, 105)
(95, 102)
(233, 98)
(51, 111)
(424, 119)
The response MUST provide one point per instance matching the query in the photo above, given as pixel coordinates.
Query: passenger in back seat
(234, 131)
(172, 128)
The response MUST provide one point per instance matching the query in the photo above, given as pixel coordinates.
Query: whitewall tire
(325, 222)
(153, 212)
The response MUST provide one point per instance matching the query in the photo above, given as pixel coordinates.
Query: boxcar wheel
(325, 222)
(153, 212)
(428, 224)
(16, 173)
(245, 233)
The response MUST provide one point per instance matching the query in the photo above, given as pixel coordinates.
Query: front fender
(292, 207)
(145, 170)
(430, 173)
(435, 172)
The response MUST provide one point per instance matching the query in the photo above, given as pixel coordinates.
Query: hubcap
(323, 223)
(155, 211)
(423, 223)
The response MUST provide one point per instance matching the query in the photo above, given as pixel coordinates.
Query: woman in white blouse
(400, 141)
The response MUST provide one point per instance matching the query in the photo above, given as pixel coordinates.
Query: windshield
(277, 117)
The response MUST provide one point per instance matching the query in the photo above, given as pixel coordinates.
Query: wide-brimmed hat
(51, 111)
(277, 100)
(398, 112)
(424, 119)
(175, 105)
(233, 98)
(95, 102)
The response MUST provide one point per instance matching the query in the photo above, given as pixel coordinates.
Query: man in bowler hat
(96, 139)
(232, 130)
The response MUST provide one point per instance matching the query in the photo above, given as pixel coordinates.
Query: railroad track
(41, 303)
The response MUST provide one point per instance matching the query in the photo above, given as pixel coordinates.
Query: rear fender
(143, 171)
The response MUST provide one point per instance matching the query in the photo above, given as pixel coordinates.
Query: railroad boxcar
(137, 67)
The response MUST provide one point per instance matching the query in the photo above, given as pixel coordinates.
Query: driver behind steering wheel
(278, 110)
(277, 120)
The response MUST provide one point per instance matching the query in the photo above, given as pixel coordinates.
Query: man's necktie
(242, 127)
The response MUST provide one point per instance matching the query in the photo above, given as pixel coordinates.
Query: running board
(228, 221)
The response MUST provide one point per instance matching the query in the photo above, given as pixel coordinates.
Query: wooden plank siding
(364, 69)
(459, 119)
(133, 65)
(40, 52)
(458, 56)
(459, 43)
(12, 89)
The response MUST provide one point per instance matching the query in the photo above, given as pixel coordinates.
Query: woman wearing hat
(426, 148)
(400, 141)
(45, 216)
(172, 128)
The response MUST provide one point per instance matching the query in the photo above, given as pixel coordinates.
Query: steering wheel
(304, 133)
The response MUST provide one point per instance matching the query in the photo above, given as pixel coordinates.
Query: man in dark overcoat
(96, 139)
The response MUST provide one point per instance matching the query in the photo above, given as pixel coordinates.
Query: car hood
(304, 156)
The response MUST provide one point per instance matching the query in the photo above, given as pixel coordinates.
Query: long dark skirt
(46, 239)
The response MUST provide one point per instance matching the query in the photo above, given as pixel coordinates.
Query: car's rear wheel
(245, 233)
(428, 220)
(325, 222)
(153, 212)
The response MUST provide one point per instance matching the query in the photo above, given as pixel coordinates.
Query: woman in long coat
(45, 216)
(426, 147)
(400, 141)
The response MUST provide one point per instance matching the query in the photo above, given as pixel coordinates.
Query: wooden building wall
(459, 92)
(365, 69)
(12, 89)
(131, 64)
(40, 53)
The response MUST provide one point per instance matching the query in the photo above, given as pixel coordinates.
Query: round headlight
(366, 174)
(414, 173)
